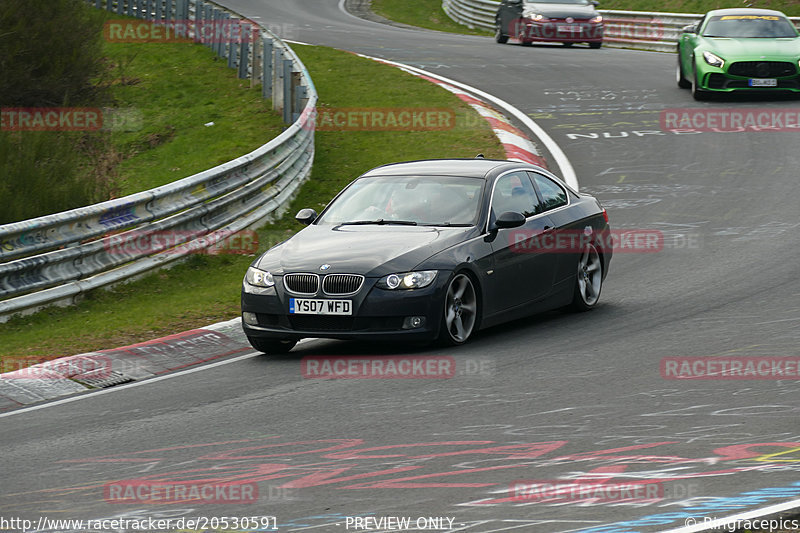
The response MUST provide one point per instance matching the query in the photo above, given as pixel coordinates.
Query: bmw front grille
(341, 284)
(301, 283)
(332, 284)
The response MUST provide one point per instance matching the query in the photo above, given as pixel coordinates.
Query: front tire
(698, 93)
(683, 83)
(272, 346)
(589, 281)
(461, 310)
(595, 45)
(499, 36)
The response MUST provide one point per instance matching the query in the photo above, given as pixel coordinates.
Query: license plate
(764, 82)
(569, 29)
(312, 306)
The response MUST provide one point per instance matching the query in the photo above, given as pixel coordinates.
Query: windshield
(738, 26)
(571, 2)
(420, 200)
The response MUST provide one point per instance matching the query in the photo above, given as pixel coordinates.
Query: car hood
(371, 250)
(560, 11)
(753, 49)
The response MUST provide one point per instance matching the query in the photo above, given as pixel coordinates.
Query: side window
(551, 192)
(514, 192)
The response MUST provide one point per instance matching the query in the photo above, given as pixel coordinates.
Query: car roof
(470, 168)
(744, 11)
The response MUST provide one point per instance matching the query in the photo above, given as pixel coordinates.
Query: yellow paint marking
(768, 458)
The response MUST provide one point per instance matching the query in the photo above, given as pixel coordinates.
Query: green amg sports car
(739, 50)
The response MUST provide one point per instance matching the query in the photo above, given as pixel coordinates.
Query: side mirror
(691, 28)
(595, 3)
(510, 219)
(306, 216)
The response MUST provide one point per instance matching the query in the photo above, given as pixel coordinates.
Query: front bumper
(734, 77)
(378, 314)
(556, 31)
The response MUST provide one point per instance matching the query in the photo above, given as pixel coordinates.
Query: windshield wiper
(448, 225)
(379, 222)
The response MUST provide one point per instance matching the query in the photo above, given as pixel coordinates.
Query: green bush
(50, 52)
(46, 172)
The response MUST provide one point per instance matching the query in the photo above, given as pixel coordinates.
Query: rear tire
(499, 36)
(595, 45)
(272, 346)
(567, 45)
(589, 281)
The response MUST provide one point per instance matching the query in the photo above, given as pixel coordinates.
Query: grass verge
(205, 289)
(169, 92)
(429, 14)
(790, 7)
(423, 14)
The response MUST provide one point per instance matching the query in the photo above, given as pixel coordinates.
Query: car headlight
(596, 20)
(259, 278)
(714, 61)
(534, 16)
(408, 280)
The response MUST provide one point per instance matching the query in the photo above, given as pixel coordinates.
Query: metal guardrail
(55, 258)
(625, 29)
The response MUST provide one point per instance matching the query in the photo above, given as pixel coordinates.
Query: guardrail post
(244, 49)
(199, 11)
(208, 21)
(109, 5)
(129, 11)
(277, 80)
(159, 10)
(232, 44)
(255, 77)
(287, 90)
(266, 70)
(120, 9)
(300, 98)
(182, 12)
(182, 18)
(216, 42)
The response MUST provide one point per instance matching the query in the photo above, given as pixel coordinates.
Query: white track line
(95, 393)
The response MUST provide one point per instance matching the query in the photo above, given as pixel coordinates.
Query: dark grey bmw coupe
(429, 250)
